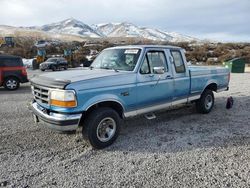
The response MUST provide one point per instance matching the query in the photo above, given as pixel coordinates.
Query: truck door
(181, 75)
(154, 88)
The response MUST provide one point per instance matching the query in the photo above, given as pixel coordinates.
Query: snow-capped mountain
(105, 28)
(177, 37)
(115, 30)
(71, 26)
(130, 30)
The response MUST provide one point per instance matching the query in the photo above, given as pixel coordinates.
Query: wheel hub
(208, 102)
(11, 84)
(106, 129)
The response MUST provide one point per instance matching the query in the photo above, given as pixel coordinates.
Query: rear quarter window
(178, 61)
(11, 62)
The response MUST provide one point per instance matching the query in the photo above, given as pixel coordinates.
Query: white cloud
(193, 17)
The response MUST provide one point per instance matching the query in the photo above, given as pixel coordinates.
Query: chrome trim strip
(153, 108)
(147, 110)
(181, 101)
(130, 114)
(193, 98)
(159, 107)
(212, 74)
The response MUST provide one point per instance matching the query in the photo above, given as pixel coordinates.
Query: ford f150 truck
(123, 82)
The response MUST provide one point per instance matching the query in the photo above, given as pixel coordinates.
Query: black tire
(43, 70)
(65, 68)
(11, 83)
(205, 104)
(93, 121)
(53, 68)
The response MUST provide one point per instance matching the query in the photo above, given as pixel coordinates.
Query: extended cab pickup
(123, 82)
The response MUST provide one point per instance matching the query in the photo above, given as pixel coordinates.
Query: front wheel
(101, 127)
(205, 104)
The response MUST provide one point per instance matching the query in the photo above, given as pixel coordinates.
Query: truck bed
(201, 76)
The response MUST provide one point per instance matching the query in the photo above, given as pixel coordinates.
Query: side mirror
(159, 70)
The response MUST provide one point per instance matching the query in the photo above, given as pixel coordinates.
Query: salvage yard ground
(180, 148)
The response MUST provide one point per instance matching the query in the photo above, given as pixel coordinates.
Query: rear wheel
(11, 83)
(101, 127)
(205, 104)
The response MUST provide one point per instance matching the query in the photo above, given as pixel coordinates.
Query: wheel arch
(211, 86)
(114, 104)
(11, 76)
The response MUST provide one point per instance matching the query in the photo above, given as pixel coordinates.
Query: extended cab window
(151, 60)
(178, 61)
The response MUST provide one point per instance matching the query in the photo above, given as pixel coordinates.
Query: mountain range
(77, 28)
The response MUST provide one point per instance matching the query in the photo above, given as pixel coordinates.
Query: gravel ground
(180, 148)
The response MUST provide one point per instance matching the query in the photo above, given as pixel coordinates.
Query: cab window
(178, 61)
(153, 59)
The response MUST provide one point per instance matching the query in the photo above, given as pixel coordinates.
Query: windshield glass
(118, 59)
(51, 60)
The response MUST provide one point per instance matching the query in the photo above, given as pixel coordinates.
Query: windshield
(51, 60)
(117, 59)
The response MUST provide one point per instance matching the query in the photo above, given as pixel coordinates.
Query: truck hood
(62, 79)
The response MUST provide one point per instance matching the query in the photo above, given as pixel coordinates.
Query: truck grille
(41, 94)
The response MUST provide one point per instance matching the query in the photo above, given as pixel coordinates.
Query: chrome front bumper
(56, 121)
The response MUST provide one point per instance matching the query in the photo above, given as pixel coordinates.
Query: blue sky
(223, 20)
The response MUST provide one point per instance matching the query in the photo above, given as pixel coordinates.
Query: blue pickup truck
(123, 82)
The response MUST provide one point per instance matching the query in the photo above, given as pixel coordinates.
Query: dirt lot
(178, 149)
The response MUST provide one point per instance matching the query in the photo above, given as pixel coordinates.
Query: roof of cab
(146, 46)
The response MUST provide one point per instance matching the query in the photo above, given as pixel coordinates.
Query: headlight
(63, 98)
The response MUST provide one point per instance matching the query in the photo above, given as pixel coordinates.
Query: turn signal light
(65, 104)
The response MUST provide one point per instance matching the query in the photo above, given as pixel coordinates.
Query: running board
(150, 116)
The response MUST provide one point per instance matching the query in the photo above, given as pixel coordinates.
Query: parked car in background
(54, 64)
(28, 63)
(12, 72)
(123, 82)
(42, 44)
